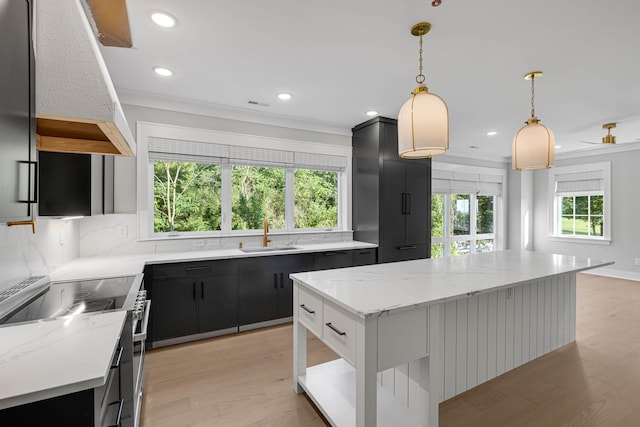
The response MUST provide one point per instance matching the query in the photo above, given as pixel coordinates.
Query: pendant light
(423, 121)
(534, 144)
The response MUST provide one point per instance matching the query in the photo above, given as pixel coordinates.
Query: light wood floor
(245, 379)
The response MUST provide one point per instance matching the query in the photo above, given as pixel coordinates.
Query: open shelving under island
(412, 334)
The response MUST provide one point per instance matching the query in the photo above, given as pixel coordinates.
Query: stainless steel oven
(140, 322)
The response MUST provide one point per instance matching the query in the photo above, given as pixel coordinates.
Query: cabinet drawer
(364, 256)
(310, 310)
(393, 253)
(339, 331)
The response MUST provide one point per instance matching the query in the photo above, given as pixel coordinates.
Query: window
(465, 205)
(199, 186)
(453, 232)
(580, 207)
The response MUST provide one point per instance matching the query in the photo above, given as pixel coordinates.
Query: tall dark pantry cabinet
(391, 196)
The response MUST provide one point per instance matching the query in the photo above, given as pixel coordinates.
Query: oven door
(139, 337)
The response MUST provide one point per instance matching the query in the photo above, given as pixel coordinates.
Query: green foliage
(315, 199)
(186, 196)
(437, 218)
(460, 214)
(484, 216)
(257, 193)
(582, 215)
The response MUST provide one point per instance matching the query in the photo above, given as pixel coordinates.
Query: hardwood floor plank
(245, 379)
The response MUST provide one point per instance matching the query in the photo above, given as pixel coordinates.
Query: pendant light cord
(533, 94)
(420, 77)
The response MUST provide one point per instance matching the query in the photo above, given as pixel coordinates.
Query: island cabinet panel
(391, 196)
(265, 291)
(193, 299)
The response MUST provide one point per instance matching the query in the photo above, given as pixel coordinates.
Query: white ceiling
(340, 58)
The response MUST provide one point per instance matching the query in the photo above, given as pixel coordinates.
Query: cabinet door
(418, 204)
(218, 299)
(173, 311)
(257, 296)
(393, 201)
(290, 264)
(364, 256)
(17, 112)
(332, 259)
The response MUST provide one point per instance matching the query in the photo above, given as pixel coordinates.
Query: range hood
(77, 108)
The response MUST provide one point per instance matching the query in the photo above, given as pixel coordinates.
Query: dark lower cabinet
(364, 257)
(265, 291)
(192, 298)
(332, 259)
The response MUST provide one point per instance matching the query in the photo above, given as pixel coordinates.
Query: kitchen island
(413, 334)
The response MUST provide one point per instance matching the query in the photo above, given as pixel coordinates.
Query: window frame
(145, 184)
(555, 210)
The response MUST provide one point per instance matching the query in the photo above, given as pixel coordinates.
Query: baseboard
(618, 274)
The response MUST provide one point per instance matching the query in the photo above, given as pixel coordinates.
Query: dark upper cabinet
(391, 196)
(74, 184)
(17, 112)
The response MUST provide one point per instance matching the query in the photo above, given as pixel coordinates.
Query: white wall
(625, 221)
(520, 210)
(24, 254)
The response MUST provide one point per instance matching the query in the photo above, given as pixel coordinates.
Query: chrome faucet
(265, 230)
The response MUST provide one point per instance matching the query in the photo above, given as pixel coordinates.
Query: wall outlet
(122, 231)
(637, 261)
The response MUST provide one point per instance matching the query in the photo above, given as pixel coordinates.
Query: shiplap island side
(413, 334)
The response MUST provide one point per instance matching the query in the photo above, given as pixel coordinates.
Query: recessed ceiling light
(371, 113)
(162, 71)
(163, 19)
(491, 133)
(284, 96)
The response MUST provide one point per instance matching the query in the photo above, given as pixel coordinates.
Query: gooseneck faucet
(265, 230)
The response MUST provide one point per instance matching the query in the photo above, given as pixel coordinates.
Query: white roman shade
(579, 182)
(449, 182)
(206, 152)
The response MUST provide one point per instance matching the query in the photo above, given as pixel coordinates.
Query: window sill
(587, 240)
(237, 234)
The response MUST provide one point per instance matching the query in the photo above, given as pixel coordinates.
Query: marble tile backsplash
(24, 254)
(116, 235)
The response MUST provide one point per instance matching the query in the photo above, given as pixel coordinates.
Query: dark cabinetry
(265, 291)
(391, 196)
(193, 298)
(74, 184)
(17, 112)
(332, 259)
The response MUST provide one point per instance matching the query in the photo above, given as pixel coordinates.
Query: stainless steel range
(38, 299)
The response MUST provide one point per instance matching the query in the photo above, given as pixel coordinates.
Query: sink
(268, 249)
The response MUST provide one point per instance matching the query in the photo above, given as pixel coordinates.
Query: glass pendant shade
(423, 126)
(533, 147)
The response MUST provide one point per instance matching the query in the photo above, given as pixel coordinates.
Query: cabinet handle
(364, 252)
(275, 281)
(336, 330)
(194, 290)
(32, 182)
(404, 248)
(208, 268)
(281, 281)
(118, 358)
(408, 204)
(119, 416)
(307, 309)
(202, 289)
(403, 204)
(335, 253)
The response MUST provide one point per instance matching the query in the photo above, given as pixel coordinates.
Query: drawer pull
(307, 309)
(404, 248)
(336, 330)
(116, 364)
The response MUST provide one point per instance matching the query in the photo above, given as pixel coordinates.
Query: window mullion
(289, 199)
(226, 198)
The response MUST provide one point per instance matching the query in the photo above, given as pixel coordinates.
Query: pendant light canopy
(423, 121)
(534, 144)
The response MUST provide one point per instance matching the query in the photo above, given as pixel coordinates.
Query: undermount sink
(269, 249)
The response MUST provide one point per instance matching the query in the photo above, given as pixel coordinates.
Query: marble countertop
(375, 289)
(125, 265)
(39, 360)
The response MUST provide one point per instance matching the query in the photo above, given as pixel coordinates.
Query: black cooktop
(75, 298)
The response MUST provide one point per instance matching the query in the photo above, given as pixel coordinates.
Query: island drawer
(339, 331)
(310, 310)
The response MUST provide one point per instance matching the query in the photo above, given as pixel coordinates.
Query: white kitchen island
(413, 334)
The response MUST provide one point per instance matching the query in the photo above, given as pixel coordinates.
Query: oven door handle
(145, 322)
